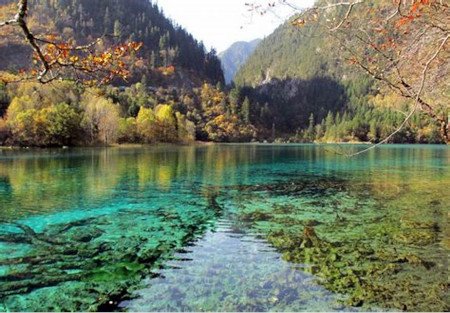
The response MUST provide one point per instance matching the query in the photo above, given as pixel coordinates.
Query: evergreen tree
(310, 133)
(245, 112)
(117, 29)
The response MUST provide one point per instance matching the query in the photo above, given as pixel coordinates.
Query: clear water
(225, 228)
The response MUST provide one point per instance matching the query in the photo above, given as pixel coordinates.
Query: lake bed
(225, 228)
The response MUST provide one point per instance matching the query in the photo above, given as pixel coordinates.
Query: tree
(23, 128)
(373, 132)
(54, 58)
(117, 29)
(107, 21)
(4, 99)
(246, 110)
(166, 123)
(3, 131)
(213, 67)
(186, 128)
(146, 124)
(101, 117)
(63, 125)
(402, 44)
(329, 121)
(127, 130)
(55, 125)
(108, 127)
(319, 130)
(310, 132)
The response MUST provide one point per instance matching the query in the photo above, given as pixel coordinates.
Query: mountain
(125, 20)
(235, 56)
(300, 79)
(295, 73)
(290, 52)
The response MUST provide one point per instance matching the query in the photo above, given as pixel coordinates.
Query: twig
(417, 102)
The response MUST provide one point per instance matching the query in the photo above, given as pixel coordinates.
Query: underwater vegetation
(224, 228)
(231, 270)
(352, 243)
(91, 264)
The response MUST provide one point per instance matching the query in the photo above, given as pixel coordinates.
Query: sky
(219, 23)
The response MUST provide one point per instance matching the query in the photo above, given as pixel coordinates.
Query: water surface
(224, 228)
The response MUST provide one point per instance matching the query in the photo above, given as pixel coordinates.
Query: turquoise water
(225, 228)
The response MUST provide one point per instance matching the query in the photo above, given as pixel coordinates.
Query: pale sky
(219, 23)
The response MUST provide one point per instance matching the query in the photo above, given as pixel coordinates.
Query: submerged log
(16, 285)
(28, 235)
(99, 266)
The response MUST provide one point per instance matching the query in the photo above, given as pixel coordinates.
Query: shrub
(127, 130)
(52, 126)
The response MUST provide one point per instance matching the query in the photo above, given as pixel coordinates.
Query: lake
(225, 228)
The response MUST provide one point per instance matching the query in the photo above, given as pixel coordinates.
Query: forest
(164, 44)
(294, 87)
(389, 63)
(65, 114)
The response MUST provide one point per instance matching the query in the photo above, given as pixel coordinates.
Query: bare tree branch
(347, 14)
(10, 22)
(417, 100)
(391, 46)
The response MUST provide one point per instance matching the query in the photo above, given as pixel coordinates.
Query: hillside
(297, 86)
(293, 58)
(297, 75)
(292, 52)
(132, 20)
(235, 56)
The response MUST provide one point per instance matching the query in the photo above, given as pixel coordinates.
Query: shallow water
(225, 228)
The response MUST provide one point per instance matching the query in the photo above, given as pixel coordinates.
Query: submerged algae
(92, 264)
(353, 244)
(376, 233)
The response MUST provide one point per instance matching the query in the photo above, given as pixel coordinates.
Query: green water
(225, 228)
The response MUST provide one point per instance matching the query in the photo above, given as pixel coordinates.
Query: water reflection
(93, 223)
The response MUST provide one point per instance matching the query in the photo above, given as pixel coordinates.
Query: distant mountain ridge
(235, 56)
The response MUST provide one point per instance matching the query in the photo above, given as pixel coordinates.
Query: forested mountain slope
(164, 43)
(299, 85)
(295, 52)
(309, 56)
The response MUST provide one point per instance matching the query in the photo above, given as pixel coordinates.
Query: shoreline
(210, 143)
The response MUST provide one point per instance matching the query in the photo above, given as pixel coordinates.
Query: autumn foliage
(404, 45)
(68, 60)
